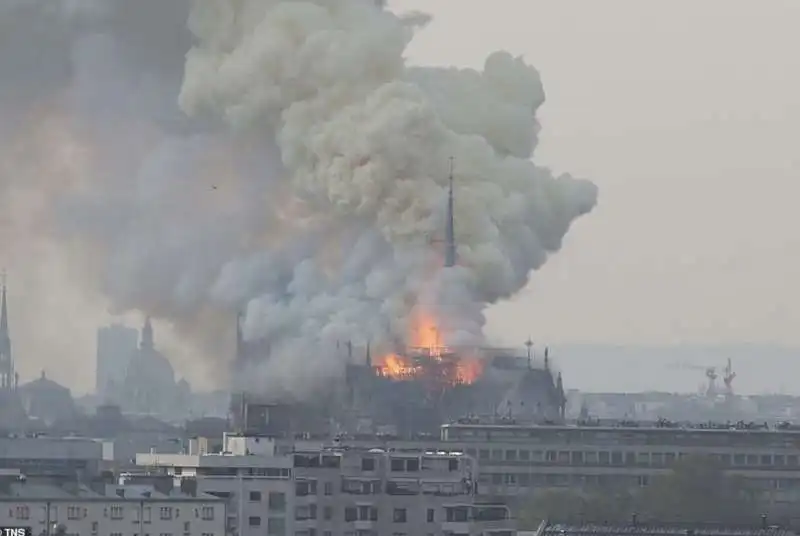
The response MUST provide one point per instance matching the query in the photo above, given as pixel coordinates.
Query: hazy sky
(685, 114)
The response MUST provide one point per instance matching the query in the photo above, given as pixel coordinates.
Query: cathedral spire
(7, 374)
(450, 235)
(3, 307)
(147, 342)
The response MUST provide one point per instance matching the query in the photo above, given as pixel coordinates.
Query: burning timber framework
(413, 389)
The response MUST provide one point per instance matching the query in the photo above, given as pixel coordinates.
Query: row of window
(524, 480)
(276, 501)
(23, 512)
(116, 512)
(206, 513)
(370, 513)
(623, 458)
(267, 472)
(627, 437)
(362, 486)
(276, 526)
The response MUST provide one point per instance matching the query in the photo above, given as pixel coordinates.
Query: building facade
(333, 492)
(51, 456)
(110, 510)
(519, 460)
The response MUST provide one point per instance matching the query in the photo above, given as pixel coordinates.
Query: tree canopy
(696, 490)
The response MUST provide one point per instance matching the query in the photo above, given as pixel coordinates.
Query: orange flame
(425, 337)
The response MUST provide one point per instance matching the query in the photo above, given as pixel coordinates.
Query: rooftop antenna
(529, 344)
(450, 235)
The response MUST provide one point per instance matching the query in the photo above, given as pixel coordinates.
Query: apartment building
(108, 509)
(519, 458)
(340, 492)
(51, 456)
(376, 492)
(523, 459)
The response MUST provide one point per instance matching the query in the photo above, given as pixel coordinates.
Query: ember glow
(427, 358)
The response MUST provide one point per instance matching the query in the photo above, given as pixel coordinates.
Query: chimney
(189, 486)
(163, 484)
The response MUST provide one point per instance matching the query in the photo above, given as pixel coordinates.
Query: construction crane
(710, 372)
(727, 377)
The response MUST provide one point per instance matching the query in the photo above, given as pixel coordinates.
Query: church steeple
(450, 235)
(3, 307)
(147, 342)
(7, 374)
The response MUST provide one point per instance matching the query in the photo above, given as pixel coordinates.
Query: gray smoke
(290, 165)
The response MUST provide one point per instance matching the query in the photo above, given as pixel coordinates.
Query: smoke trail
(308, 181)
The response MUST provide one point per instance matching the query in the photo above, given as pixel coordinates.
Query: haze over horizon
(689, 135)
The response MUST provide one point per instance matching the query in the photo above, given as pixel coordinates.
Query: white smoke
(320, 204)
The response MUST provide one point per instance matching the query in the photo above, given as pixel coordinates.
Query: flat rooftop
(627, 425)
(17, 491)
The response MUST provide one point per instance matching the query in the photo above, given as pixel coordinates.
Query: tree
(698, 490)
(577, 507)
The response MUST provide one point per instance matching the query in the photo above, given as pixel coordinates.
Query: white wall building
(332, 492)
(111, 510)
(257, 484)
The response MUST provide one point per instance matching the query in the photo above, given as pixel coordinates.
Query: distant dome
(150, 365)
(47, 400)
(45, 386)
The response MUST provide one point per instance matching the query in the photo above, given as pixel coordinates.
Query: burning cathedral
(412, 390)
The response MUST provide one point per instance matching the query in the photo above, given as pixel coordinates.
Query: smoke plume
(194, 159)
